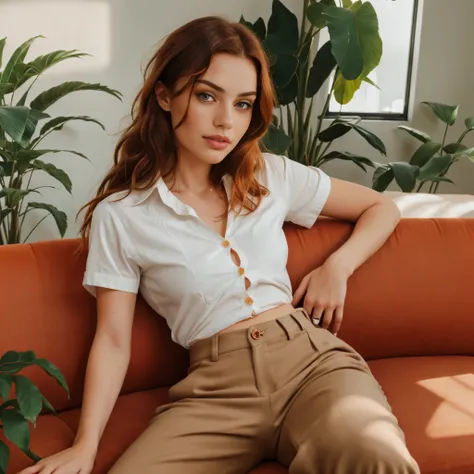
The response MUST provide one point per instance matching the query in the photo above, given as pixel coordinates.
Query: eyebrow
(220, 89)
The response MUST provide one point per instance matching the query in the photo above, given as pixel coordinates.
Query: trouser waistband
(283, 327)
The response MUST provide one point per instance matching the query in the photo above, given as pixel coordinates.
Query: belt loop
(297, 320)
(215, 348)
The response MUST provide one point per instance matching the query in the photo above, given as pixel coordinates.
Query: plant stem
(32, 230)
(321, 118)
(434, 186)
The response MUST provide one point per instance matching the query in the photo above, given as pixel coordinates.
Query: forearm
(105, 373)
(371, 230)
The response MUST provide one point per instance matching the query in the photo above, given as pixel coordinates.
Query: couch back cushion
(413, 297)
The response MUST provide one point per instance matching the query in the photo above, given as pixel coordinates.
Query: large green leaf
(20, 122)
(314, 14)
(54, 372)
(446, 113)
(455, 148)
(21, 73)
(435, 167)
(48, 407)
(405, 175)
(28, 155)
(16, 428)
(5, 385)
(469, 123)
(29, 398)
(469, 152)
(424, 153)
(59, 216)
(334, 131)
(323, 65)
(360, 161)
(17, 57)
(47, 98)
(344, 89)
(4, 213)
(4, 457)
(2, 47)
(355, 38)
(14, 196)
(276, 141)
(258, 27)
(10, 357)
(370, 138)
(382, 177)
(419, 135)
(59, 122)
(54, 172)
(282, 33)
(289, 93)
(283, 70)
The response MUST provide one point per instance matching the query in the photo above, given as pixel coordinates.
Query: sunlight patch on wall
(85, 26)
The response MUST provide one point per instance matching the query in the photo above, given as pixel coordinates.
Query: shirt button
(248, 300)
(240, 271)
(225, 243)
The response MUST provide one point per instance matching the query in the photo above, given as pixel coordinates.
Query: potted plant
(16, 413)
(21, 135)
(433, 158)
(352, 52)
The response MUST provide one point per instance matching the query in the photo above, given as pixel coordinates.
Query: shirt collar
(170, 199)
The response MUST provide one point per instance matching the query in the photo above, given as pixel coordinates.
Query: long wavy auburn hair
(147, 150)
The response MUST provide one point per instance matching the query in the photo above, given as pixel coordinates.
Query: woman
(191, 216)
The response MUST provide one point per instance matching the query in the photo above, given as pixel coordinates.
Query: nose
(224, 117)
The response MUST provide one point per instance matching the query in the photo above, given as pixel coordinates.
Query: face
(220, 109)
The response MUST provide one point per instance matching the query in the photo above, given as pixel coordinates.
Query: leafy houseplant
(353, 51)
(432, 160)
(20, 136)
(15, 413)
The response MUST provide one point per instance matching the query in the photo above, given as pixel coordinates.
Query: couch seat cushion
(433, 399)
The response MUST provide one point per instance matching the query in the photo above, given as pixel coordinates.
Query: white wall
(121, 35)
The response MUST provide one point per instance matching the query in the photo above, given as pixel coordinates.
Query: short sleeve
(110, 263)
(305, 188)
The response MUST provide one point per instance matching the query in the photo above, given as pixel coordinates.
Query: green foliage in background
(300, 70)
(18, 412)
(432, 160)
(24, 124)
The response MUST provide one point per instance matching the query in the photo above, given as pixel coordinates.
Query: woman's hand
(74, 460)
(324, 291)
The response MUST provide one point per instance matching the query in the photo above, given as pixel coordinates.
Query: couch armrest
(415, 296)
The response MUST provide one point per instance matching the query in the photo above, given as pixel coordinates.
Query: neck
(192, 178)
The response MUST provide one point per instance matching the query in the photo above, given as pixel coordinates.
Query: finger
(299, 293)
(338, 315)
(317, 315)
(328, 315)
(47, 469)
(32, 469)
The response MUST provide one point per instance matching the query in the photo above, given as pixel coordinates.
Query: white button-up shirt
(154, 243)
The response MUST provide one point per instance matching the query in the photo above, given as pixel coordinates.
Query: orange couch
(409, 312)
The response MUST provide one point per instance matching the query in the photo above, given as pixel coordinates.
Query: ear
(163, 96)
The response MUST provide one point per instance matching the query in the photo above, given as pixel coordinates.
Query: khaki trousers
(284, 390)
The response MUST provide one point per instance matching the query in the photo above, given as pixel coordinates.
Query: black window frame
(391, 116)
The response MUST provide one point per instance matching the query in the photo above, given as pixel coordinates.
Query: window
(397, 25)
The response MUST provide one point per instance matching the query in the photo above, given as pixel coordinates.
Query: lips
(218, 138)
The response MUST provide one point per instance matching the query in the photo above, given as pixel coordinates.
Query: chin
(213, 157)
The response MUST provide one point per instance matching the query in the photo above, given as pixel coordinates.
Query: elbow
(391, 210)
